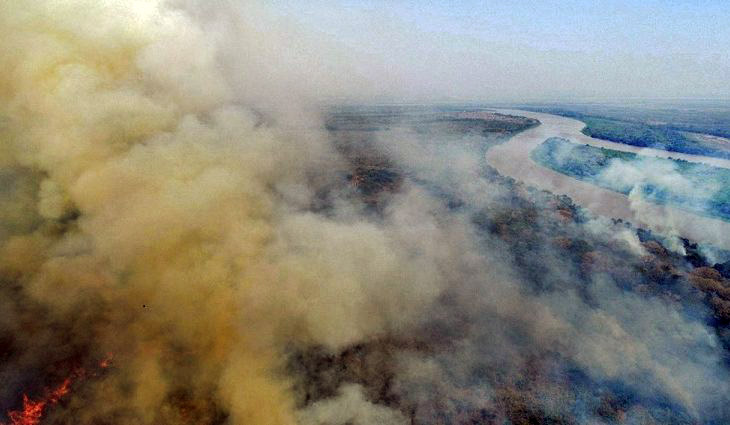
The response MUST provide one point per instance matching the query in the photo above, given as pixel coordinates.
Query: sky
(521, 50)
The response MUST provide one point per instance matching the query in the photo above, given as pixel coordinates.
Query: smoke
(169, 196)
(350, 407)
(650, 181)
(160, 216)
(504, 333)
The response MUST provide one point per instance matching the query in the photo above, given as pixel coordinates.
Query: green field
(699, 188)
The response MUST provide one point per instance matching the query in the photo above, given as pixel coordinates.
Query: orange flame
(32, 411)
(106, 361)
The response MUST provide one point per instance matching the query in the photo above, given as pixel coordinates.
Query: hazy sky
(515, 50)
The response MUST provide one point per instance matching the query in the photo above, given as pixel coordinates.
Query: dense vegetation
(709, 117)
(664, 129)
(643, 135)
(711, 194)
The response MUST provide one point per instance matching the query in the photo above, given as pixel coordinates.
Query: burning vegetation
(247, 261)
(32, 411)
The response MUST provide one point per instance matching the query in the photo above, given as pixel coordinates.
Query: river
(512, 158)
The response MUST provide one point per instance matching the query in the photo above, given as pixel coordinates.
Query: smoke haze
(171, 200)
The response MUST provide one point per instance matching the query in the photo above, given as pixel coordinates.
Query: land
(549, 240)
(701, 129)
(354, 132)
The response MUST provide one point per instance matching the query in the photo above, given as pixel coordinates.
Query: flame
(107, 361)
(32, 411)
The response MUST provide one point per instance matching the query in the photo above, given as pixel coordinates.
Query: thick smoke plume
(170, 197)
(148, 213)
